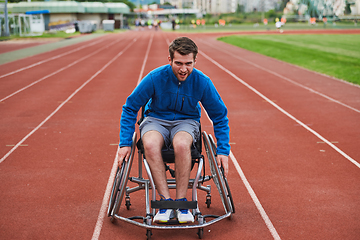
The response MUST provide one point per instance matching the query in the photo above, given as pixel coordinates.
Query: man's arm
(217, 112)
(140, 96)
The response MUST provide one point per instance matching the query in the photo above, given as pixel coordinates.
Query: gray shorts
(168, 129)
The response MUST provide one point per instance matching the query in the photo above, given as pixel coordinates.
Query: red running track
(294, 137)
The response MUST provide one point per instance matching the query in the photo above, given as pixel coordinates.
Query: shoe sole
(161, 221)
(181, 222)
(172, 215)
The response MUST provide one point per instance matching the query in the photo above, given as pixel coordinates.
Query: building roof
(69, 7)
(117, 7)
(94, 7)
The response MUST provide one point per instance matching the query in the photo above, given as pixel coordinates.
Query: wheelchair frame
(120, 189)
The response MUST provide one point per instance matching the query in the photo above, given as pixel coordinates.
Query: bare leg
(153, 142)
(182, 142)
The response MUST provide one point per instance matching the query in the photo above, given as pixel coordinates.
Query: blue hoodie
(170, 99)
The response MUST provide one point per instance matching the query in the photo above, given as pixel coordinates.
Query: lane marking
(59, 70)
(49, 59)
(282, 110)
(287, 79)
(104, 204)
(68, 99)
(22, 145)
(253, 196)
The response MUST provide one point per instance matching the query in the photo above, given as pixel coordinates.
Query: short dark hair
(184, 46)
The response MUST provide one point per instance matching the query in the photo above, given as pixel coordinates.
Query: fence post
(6, 32)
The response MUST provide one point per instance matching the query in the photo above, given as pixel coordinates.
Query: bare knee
(182, 142)
(152, 142)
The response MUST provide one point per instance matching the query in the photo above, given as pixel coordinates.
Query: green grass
(261, 27)
(335, 55)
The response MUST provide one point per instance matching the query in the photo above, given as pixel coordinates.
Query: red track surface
(294, 134)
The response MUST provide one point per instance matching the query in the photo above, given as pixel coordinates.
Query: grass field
(269, 27)
(334, 55)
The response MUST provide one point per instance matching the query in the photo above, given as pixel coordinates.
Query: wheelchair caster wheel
(148, 234)
(200, 233)
(208, 201)
(127, 203)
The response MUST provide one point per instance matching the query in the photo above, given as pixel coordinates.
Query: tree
(283, 4)
(240, 8)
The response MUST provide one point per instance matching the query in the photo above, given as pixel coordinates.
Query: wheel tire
(127, 204)
(217, 175)
(115, 189)
(200, 233)
(208, 202)
(148, 234)
(120, 181)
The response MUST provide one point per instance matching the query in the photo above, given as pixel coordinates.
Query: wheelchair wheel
(116, 187)
(217, 175)
(120, 181)
(228, 195)
(228, 192)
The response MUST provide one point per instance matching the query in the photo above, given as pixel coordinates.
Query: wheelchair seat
(169, 156)
(168, 152)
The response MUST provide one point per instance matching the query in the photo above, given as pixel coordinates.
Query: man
(172, 94)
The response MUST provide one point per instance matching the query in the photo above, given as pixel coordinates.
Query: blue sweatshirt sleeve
(139, 97)
(217, 111)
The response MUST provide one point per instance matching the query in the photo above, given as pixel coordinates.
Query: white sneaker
(164, 215)
(184, 216)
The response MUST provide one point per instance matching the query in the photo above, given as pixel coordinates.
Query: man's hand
(224, 161)
(123, 153)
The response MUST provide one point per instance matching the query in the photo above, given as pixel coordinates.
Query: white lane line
(104, 204)
(258, 205)
(49, 59)
(59, 70)
(62, 104)
(286, 78)
(282, 110)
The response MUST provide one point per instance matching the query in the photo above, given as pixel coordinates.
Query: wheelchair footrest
(210, 216)
(174, 204)
(136, 217)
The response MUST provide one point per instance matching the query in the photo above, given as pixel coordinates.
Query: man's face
(182, 65)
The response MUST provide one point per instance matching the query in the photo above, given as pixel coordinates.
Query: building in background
(354, 7)
(63, 12)
(319, 8)
(224, 6)
(259, 5)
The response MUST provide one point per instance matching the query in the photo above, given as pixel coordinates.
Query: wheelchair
(120, 189)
